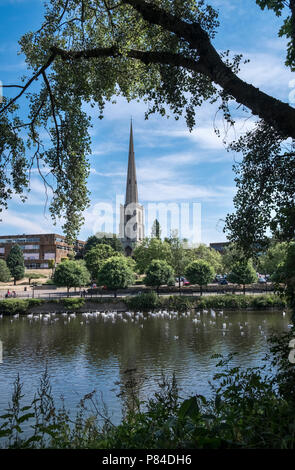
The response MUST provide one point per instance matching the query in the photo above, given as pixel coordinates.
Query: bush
(241, 301)
(73, 303)
(22, 306)
(145, 301)
(178, 303)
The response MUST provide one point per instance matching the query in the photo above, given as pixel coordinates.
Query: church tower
(132, 213)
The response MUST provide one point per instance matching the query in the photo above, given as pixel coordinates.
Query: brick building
(39, 249)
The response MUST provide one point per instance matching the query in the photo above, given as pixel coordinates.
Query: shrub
(145, 301)
(178, 303)
(73, 303)
(5, 274)
(22, 306)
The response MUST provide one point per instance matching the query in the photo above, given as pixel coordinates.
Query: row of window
(19, 240)
(29, 247)
(28, 256)
(35, 266)
(27, 240)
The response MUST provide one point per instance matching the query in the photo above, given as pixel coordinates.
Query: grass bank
(148, 301)
(143, 302)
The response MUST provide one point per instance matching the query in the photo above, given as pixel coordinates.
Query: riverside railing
(98, 293)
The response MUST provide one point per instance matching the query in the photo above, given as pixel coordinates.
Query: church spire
(131, 185)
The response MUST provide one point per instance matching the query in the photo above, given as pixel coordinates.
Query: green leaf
(25, 417)
(189, 408)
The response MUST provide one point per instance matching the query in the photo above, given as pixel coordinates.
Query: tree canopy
(95, 257)
(5, 274)
(161, 51)
(159, 272)
(242, 273)
(200, 272)
(15, 263)
(285, 274)
(156, 229)
(149, 250)
(116, 273)
(105, 239)
(208, 254)
(232, 254)
(71, 273)
(275, 255)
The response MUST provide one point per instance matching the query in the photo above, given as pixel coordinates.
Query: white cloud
(174, 191)
(13, 67)
(106, 147)
(27, 222)
(267, 71)
(111, 174)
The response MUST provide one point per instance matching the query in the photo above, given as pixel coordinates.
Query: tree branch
(12, 86)
(52, 101)
(292, 8)
(29, 82)
(159, 57)
(268, 108)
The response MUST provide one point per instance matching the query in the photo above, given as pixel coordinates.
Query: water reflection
(95, 352)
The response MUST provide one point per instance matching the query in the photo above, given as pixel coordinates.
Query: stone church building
(131, 230)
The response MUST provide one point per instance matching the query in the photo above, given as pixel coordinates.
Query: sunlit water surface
(86, 353)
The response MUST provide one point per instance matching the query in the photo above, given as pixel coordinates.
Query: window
(30, 247)
(2, 251)
(29, 256)
(19, 240)
(49, 255)
(32, 266)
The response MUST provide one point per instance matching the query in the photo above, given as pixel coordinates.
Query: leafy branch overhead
(88, 51)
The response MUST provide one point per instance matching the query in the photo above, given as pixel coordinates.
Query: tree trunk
(201, 289)
(14, 281)
(244, 289)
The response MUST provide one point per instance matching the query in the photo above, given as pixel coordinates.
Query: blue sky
(173, 165)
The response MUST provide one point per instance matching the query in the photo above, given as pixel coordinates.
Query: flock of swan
(200, 319)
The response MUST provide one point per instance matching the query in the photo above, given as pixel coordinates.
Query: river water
(93, 352)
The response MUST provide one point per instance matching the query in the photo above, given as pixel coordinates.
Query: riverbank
(142, 302)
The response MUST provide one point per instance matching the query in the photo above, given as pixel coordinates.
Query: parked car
(186, 282)
(223, 282)
(262, 280)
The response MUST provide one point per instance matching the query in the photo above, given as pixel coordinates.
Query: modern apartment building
(39, 249)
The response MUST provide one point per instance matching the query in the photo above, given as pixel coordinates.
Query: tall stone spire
(131, 226)
(131, 184)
